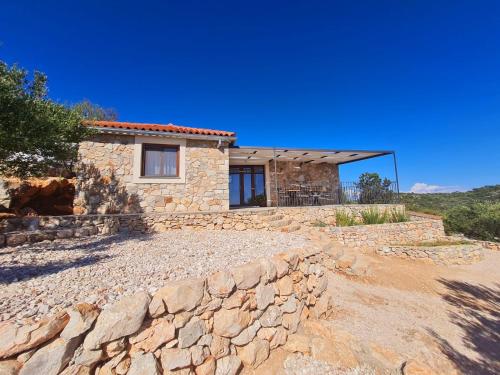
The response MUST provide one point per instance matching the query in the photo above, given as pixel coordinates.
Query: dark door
(247, 185)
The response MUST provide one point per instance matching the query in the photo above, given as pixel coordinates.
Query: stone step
(266, 212)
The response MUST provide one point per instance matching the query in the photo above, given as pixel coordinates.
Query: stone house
(133, 167)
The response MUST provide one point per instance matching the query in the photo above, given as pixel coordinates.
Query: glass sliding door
(247, 186)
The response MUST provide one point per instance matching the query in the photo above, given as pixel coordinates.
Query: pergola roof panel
(257, 154)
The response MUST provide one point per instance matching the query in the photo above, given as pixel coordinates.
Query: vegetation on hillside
(37, 134)
(474, 213)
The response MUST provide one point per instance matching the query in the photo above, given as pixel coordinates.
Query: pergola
(259, 155)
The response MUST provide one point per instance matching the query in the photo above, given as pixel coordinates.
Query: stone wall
(105, 181)
(446, 254)
(388, 234)
(324, 175)
(217, 325)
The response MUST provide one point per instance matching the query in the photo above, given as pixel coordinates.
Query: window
(160, 160)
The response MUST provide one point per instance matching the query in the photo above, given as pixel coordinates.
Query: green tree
(36, 133)
(372, 189)
(91, 111)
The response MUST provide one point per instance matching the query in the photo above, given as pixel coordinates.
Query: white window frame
(137, 166)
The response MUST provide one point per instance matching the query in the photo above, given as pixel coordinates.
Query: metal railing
(343, 193)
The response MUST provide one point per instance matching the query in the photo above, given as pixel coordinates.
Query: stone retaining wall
(213, 325)
(383, 234)
(447, 254)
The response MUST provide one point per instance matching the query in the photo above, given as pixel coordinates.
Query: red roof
(171, 128)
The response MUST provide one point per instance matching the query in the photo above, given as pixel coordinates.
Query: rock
(317, 285)
(207, 367)
(345, 261)
(143, 364)
(115, 347)
(322, 306)
(198, 354)
(109, 367)
(229, 323)
(156, 336)
(89, 357)
(205, 340)
(281, 266)
(268, 270)
(279, 338)
(298, 343)
(175, 358)
(191, 333)
(291, 321)
(237, 299)
(219, 347)
(81, 318)
(77, 370)
(121, 319)
(246, 335)
(183, 295)
(290, 305)
(229, 365)
(220, 284)
(285, 286)
(10, 367)
(52, 358)
(413, 367)
(123, 366)
(182, 318)
(254, 353)
(247, 275)
(271, 317)
(15, 339)
(264, 296)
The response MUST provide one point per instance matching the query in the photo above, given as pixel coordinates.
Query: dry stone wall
(105, 181)
(217, 325)
(446, 254)
(393, 233)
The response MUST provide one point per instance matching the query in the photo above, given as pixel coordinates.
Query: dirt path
(425, 311)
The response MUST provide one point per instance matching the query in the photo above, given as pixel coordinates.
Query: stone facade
(445, 255)
(323, 175)
(215, 325)
(106, 179)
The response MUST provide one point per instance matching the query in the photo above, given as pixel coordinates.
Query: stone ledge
(445, 255)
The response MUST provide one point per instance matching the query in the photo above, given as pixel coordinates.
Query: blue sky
(418, 77)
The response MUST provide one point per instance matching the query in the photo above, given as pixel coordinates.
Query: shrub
(398, 216)
(478, 220)
(319, 224)
(374, 216)
(345, 219)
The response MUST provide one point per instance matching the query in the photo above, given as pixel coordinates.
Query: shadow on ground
(93, 249)
(476, 310)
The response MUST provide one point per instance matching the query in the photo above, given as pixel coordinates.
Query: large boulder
(247, 275)
(16, 339)
(81, 318)
(220, 284)
(52, 358)
(183, 295)
(121, 319)
(229, 323)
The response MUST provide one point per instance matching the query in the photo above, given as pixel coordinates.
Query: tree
(372, 189)
(91, 111)
(36, 133)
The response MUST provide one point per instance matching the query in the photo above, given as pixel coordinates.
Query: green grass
(398, 216)
(345, 219)
(374, 216)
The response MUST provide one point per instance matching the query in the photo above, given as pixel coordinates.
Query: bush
(345, 219)
(398, 216)
(374, 216)
(479, 220)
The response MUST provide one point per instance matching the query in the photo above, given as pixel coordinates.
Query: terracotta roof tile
(158, 128)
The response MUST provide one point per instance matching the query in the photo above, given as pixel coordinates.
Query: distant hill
(438, 203)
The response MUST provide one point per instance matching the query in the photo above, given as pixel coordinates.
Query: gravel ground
(43, 278)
